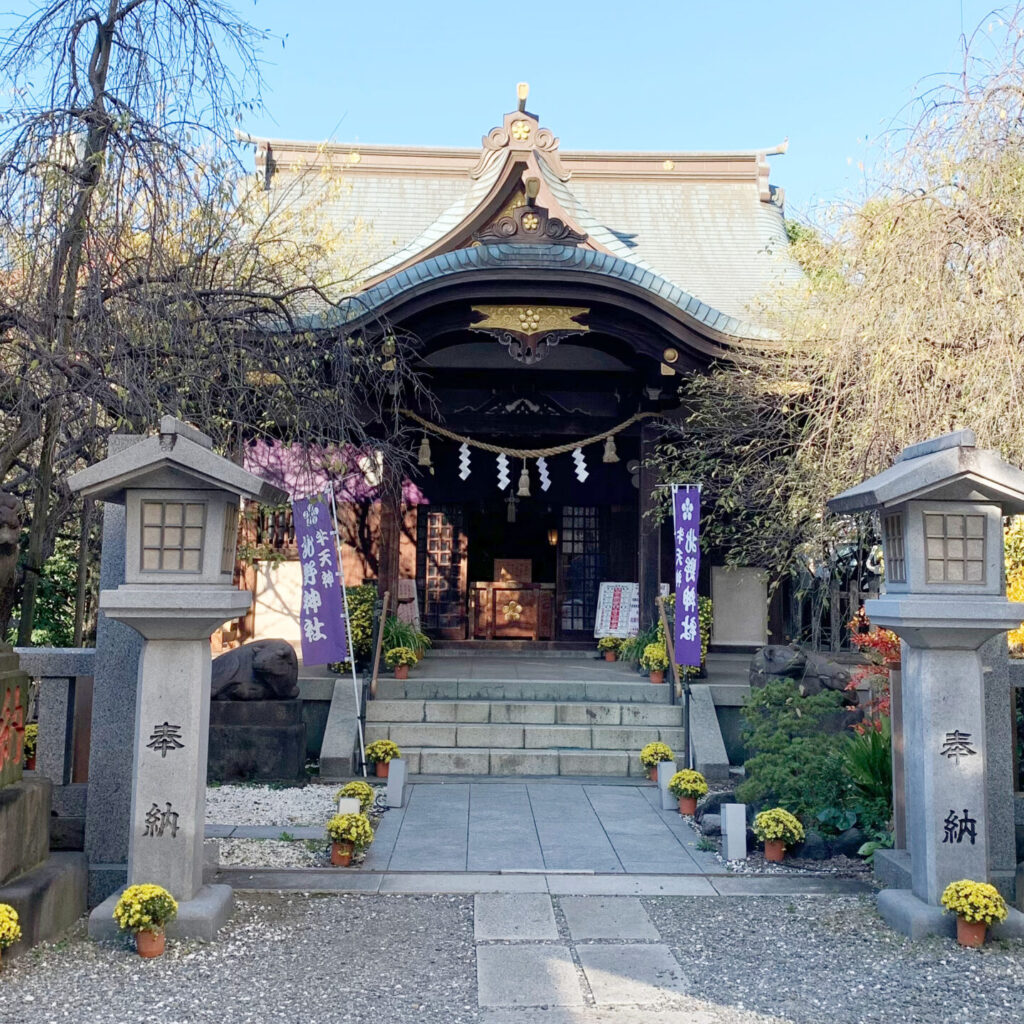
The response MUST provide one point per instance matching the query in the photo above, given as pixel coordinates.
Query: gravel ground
(405, 959)
(399, 959)
(273, 853)
(812, 960)
(312, 804)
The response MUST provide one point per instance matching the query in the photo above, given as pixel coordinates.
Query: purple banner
(324, 633)
(686, 531)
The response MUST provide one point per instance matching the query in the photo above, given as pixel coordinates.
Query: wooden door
(441, 570)
(581, 567)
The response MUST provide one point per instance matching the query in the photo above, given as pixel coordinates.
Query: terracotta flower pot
(401, 671)
(381, 768)
(774, 849)
(30, 763)
(657, 675)
(610, 656)
(341, 853)
(970, 933)
(652, 773)
(687, 805)
(150, 944)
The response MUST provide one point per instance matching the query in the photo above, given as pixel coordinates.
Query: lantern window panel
(954, 547)
(172, 536)
(895, 551)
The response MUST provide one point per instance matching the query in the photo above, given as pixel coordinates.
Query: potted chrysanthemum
(144, 910)
(609, 647)
(654, 661)
(348, 833)
(652, 755)
(381, 753)
(10, 930)
(688, 786)
(31, 738)
(976, 905)
(358, 790)
(401, 659)
(777, 829)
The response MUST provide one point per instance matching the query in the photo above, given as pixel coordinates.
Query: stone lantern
(181, 511)
(941, 507)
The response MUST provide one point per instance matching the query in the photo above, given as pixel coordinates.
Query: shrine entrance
(504, 568)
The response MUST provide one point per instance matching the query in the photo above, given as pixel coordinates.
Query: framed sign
(618, 610)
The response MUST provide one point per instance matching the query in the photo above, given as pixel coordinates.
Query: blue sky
(612, 75)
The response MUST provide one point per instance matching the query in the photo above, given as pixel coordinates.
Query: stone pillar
(169, 791)
(944, 722)
(999, 780)
(115, 678)
(649, 535)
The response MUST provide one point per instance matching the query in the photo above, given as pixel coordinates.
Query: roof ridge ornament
(520, 132)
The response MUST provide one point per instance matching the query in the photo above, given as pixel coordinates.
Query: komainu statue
(262, 670)
(811, 672)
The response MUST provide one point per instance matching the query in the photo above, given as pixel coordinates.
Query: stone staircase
(500, 719)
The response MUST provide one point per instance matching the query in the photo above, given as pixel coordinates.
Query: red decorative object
(382, 768)
(774, 850)
(687, 805)
(150, 944)
(341, 853)
(970, 933)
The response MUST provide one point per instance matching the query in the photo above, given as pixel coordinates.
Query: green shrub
(796, 762)
(402, 634)
(868, 760)
(360, 610)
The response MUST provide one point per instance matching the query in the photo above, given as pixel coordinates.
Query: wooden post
(390, 532)
(649, 536)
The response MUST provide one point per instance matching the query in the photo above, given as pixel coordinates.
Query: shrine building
(553, 298)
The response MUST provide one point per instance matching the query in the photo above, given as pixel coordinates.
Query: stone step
(512, 736)
(556, 690)
(526, 712)
(498, 761)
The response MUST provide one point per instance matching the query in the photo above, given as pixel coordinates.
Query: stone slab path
(597, 955)
(537, 826)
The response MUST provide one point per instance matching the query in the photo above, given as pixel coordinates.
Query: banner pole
(348, 633)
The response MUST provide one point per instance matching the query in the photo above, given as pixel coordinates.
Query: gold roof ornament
(529, 332)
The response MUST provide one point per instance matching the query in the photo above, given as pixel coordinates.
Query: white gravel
(272, 853)
(262, 805)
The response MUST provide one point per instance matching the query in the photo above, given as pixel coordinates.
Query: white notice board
(618, 610)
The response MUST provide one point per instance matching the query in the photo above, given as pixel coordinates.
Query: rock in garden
(712, 803)
(711, 824)
(847, 843)
(812, 848)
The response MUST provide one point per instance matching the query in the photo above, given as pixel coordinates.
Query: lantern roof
(162, 459)
(946, 468)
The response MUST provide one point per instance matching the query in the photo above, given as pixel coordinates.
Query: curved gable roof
(707, 225)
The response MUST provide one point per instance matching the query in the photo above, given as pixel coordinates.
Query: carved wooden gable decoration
(520, 206)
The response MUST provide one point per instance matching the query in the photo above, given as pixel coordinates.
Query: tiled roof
(705, 225)
(530, 257)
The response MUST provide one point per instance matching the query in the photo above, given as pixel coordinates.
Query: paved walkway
(604, 954)
(536, 826)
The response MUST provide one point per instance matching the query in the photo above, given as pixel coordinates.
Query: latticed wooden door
(581, 567)
(441, 570)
